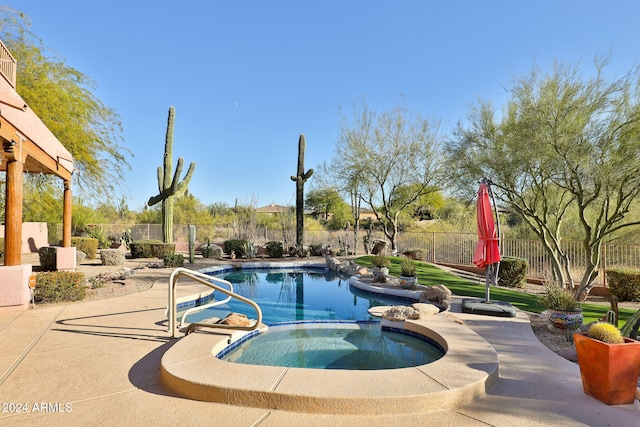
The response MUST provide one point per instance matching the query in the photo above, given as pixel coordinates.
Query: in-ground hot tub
(191, 369)
(347, 345)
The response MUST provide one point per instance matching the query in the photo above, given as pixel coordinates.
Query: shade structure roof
(23, 134)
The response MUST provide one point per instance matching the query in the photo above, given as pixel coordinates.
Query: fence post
(603, 265)
(433, 247)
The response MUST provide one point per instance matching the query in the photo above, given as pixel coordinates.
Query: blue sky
(247, 77)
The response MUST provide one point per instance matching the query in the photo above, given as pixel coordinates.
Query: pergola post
(66, 214)
(13, 214)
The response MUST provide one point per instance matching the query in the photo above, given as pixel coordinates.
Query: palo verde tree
(387, 160)
(300, 179)
(64, 99)
(565, 145)
(170, 187)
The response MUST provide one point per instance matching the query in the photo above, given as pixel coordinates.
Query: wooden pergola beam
(20, 155)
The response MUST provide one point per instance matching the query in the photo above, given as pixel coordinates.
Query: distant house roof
(273, 209)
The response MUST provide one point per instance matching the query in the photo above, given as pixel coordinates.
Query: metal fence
(453, 248)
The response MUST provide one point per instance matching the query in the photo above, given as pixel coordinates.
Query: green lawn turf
(430, 275)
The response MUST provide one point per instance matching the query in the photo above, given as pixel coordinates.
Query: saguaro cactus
(300, 179)
(169, 187)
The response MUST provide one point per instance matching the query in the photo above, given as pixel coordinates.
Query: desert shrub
(297, 251)
(47, 255)
(380, 261)
(275, 249)
(142, 248)
(513, 272)
(88, 245)
(417, 253)
(173, 260)
(98, 234)
(58, 286)
(159, 250)
(315, 250)
(624, 284)
(238, 246)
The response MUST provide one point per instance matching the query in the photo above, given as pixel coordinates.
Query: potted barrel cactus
(609, 364)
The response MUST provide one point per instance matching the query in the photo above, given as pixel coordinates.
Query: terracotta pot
(609, 371)
(562, 319)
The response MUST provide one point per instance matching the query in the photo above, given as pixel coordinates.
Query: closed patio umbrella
(487, 253)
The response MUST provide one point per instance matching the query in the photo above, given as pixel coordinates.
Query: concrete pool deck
(98, 363)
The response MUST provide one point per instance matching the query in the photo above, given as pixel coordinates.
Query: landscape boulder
(335, 264)
(426, 310)
(437, 294)
(112, 257)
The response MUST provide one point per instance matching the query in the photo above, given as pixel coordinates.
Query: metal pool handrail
(211, 304)
(208, 281)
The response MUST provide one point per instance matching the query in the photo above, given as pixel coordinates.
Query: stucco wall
(34, 236)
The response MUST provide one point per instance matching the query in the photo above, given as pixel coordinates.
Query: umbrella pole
(487, 281)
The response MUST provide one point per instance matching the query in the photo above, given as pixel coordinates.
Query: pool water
(294, 294)
(362, 346)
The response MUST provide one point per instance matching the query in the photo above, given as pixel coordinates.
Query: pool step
(466, 372)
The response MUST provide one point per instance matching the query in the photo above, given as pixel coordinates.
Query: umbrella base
(491, 308)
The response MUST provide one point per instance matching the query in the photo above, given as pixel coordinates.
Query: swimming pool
(295, 294)
(361, 346)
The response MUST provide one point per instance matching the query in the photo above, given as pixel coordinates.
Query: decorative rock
(363, 271)
(332, 263)
(236, 319)
(378, 247)
(214, 251)
(80, 257)
(426, 309)
(401, 312)
(353, 269)
(121, 274)
(112, 257)
(437, 294)
(378, 310)
(379, 276)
